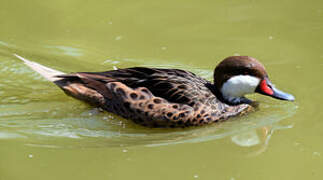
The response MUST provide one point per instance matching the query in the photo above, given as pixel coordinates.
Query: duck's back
(150, 96)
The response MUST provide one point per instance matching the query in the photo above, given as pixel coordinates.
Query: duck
(169, 98)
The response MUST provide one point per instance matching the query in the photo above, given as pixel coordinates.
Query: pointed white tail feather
(48, 73)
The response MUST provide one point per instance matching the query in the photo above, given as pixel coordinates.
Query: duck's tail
(71, 84)
(46, 72)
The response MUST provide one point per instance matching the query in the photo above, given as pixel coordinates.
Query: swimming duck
(158, 97)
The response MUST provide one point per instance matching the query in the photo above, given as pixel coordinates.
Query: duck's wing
(174, 85)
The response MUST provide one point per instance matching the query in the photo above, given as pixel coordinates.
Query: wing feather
(174, 85)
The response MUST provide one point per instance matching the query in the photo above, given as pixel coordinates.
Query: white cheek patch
(238, 86)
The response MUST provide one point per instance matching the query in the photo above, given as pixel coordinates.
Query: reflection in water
(70, 51)
(9, 135)
(246, 139)
(109, 61)
(3, 43)
(72, 125)
(259, 136)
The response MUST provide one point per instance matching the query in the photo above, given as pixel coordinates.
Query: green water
(46, 135)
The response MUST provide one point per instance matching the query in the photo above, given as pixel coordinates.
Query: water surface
(45, 134)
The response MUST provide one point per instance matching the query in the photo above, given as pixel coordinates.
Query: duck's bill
(266, 88)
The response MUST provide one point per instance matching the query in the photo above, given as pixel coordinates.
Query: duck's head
(237, 76)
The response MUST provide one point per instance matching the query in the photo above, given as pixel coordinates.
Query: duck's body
(151, 97)
(157, 97)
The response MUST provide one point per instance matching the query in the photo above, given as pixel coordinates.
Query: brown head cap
(238, 65)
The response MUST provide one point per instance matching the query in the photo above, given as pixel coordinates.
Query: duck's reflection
(257, 137)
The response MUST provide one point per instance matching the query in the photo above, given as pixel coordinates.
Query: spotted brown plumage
(157, 97)
(153, 97)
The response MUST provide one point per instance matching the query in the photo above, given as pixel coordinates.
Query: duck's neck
(235, 88)
(227, 99)
(213, 88)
